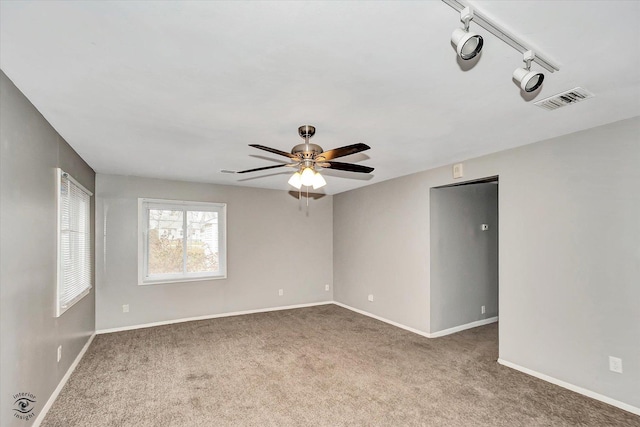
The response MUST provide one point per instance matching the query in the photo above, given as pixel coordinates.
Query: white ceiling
(178, 89)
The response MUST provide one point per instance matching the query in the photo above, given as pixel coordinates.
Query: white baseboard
(417, 331)
(580, 390)
(463, 327)
(209, 316)
(382, 319)
(63, 381)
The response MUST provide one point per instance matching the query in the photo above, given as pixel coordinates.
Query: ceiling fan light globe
(295, 180)
(318, 181)
(307, 177)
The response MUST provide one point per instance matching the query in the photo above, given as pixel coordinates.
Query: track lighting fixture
(468, 44)
(529, 80)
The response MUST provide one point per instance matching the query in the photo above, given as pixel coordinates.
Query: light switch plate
(458, 170)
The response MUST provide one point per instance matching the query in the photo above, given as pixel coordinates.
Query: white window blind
(74, 242)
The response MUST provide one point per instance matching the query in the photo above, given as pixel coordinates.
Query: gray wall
(569, 256)
(381, 247)
(271, 241)
(464, 259)
(30, 333)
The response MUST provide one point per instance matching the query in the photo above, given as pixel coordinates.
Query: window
(74, 242)
(181, 241)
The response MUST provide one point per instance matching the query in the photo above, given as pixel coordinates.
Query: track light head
(529, 80)
(468, 44)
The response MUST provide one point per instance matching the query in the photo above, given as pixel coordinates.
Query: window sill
(147, 282)
(63, 309)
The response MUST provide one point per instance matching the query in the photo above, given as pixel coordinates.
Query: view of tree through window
(167, 242)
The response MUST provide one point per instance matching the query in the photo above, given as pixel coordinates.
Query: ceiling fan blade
(274, 151)
(266, 167)
(342, 151)
(350, 167)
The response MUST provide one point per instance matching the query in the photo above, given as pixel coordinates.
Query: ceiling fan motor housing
(307, 151)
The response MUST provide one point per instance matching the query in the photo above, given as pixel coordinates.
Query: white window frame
(143, 229)
(60, 308)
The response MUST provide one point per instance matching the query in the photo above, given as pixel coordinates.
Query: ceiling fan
(308, 157)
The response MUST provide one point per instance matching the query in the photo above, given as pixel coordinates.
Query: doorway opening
(464, 256)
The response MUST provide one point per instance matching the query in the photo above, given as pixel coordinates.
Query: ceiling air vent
(565, 98)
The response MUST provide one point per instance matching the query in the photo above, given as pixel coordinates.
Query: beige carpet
(317, 366)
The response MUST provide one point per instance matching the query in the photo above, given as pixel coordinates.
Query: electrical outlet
(615, 364)
(280, 292)
(326, 287)
(370, 298)
(125, 308)
(482, 310)
(59, 352)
